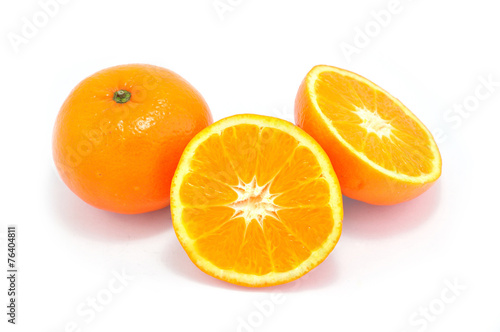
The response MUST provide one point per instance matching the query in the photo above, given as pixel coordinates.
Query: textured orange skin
(122, 157)
(358, 180)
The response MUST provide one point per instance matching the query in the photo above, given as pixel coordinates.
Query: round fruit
(381, 152)
(255, 201)
(120, 133)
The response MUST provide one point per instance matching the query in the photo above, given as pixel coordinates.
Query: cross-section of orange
(381, 153)
(255, 201)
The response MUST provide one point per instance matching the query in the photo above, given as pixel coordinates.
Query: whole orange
(121, 132)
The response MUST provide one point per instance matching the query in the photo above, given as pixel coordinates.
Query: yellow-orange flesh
(374, 124)
(255, 201)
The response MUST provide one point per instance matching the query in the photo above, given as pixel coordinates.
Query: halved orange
(255, 201)
(381, 153)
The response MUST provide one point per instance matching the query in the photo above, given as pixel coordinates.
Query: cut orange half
(255, 201)
(381, 153)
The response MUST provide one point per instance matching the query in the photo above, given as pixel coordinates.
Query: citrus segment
(198, 190)
(312, 193)
(222, 247)
(310, 223)
(202, 221)
(298, 170)
(279, 218)
(254, 256)
(241, 148)
(212, 162)
(275, 147)
(287, 249)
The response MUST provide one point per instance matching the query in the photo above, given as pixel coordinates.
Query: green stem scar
(122, 96)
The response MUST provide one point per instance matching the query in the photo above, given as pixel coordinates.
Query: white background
(391, 262)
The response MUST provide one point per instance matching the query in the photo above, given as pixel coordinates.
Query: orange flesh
(255, 201)
(374, 125)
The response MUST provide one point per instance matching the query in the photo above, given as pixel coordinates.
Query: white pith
(254, 202)
(373, 122)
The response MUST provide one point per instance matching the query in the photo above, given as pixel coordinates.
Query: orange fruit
(120, 134)
(255, 201)
(381, 152)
